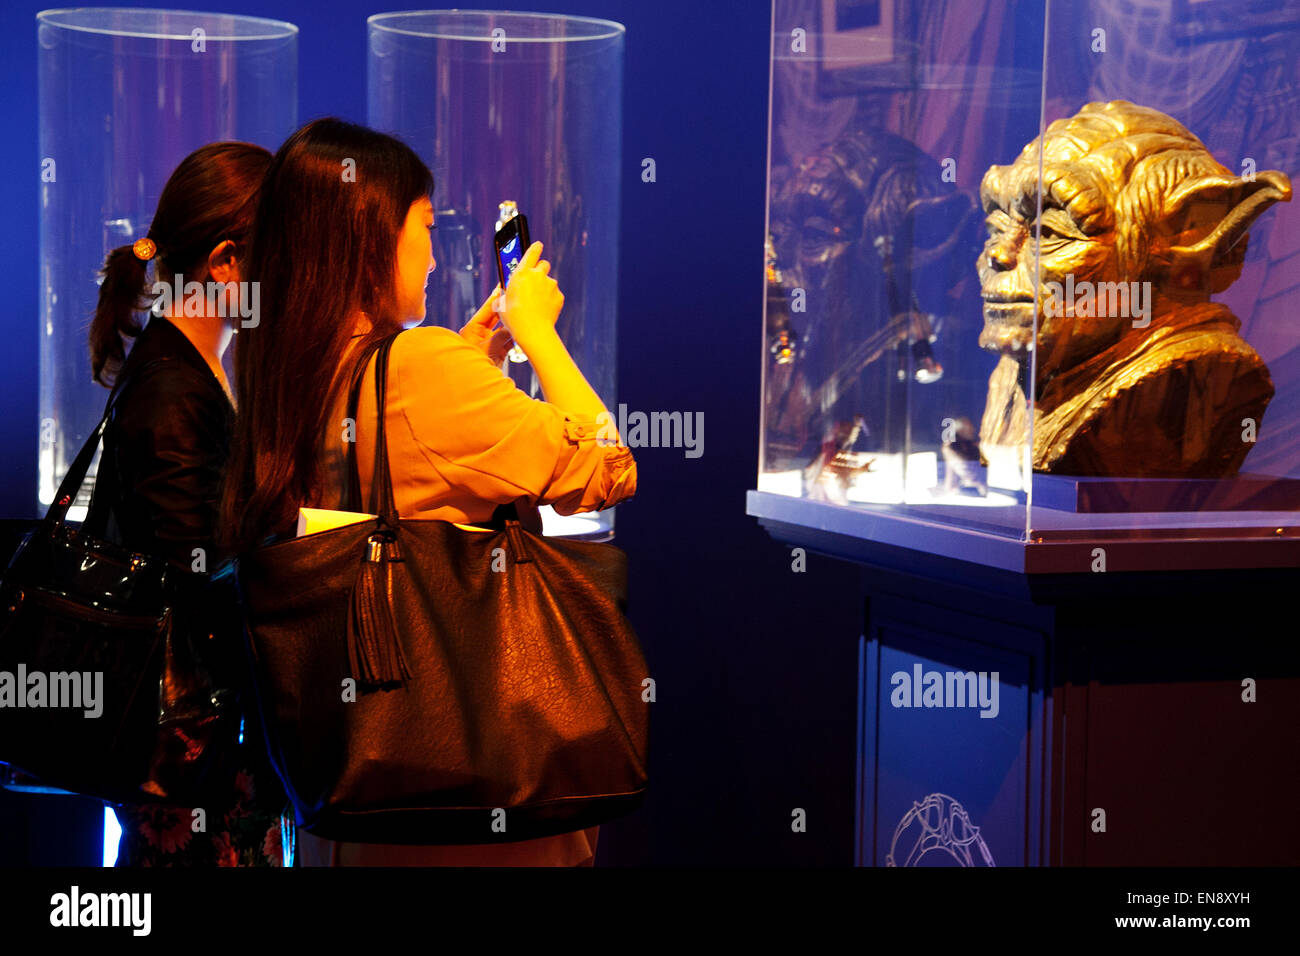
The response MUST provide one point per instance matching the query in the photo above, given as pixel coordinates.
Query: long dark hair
(210, 197)
(323, 248)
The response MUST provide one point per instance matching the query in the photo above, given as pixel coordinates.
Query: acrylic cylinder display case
(125, 95)
(523, 108)
(1032, 272)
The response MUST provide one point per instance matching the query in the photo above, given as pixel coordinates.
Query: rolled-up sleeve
(488, 438)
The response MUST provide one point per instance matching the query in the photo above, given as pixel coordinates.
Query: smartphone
(511, 243)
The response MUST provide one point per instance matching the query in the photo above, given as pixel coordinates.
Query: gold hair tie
(144, 249)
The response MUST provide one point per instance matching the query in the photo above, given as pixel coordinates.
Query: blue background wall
(755, 665)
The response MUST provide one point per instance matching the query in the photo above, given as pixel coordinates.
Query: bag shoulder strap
(352, 495)
(382, 499)
(76, 474)
(382, 483)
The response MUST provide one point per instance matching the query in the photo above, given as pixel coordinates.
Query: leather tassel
(374, 651)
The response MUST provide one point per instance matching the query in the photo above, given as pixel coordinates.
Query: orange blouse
(462, 439)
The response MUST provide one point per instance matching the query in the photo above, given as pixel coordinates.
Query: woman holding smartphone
(343, 262)
(164, 453)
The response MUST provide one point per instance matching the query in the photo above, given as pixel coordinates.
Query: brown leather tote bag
(424, 684)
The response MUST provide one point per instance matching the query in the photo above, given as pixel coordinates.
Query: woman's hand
(532, 305)
(479, 331)
(533, 299)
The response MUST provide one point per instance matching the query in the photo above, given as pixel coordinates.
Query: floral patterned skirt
(249, 833)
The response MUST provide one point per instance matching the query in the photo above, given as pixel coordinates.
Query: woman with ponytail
(164, 452)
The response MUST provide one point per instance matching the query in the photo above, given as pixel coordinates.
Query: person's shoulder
(428, 345)
(429, 337)
(169, 375)
(168, 389)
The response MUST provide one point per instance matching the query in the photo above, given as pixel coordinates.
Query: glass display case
(515, 111)
(1031, 272)
(124, 96)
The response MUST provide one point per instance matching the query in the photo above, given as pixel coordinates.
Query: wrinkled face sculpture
(870, 250)
(1008, 285)
(817, 219)
(841, 203)
(1129, 196)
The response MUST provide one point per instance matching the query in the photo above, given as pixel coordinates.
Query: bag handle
(374, 648)
(76, 474)
(352, 494)
(381, 483)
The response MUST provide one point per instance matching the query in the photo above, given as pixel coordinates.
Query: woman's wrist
(561, 380)
(537, 339)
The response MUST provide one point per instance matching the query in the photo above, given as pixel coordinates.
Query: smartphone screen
(510, 255)
(511, 242)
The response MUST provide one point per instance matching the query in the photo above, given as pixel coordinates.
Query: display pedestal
(1137, 718)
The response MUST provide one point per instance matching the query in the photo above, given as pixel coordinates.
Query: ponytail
(209, 197)
(121, 296)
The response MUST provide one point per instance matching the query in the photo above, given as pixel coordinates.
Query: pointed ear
(1207, 220)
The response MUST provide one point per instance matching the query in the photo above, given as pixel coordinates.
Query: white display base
(885, 485)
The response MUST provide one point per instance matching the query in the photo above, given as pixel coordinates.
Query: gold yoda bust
(1137, 372)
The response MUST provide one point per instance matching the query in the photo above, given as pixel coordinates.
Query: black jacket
(156, 492)
(165, 450)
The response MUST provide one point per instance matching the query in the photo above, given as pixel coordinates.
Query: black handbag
(424, 684)
(116, 680)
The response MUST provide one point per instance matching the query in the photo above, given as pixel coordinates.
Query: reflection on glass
(954, 337)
